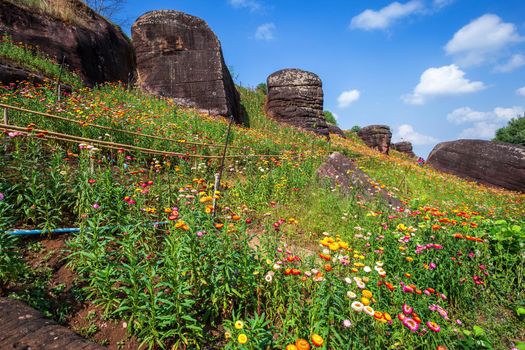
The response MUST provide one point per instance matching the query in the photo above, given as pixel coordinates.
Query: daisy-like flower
(239, 324)
(367, 269)
(433, 326)
(411, 324)
(242, 338)
(348, 280)
(408, 289)
(347, 323)
(302, 344)
(351, 294)
(317, 340)
(365, 301)
(407, 310)
(366, 293)
(368, 310)
(357, 306)
(360, 284)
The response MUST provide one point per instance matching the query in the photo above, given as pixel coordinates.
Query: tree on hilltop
(107, 8)
(330, 118)
(514, 132)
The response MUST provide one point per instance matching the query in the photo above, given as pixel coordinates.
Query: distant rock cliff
(404, 147)
(377, 137)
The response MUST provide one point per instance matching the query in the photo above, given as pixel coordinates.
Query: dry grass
(73, 12)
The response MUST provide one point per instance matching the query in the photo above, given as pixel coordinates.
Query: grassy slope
(285, 187)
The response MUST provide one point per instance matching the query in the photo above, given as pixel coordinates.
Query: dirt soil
(84, 318)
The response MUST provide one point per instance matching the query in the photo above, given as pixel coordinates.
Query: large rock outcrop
(488, 162)
(344, 174)
(334, 129)
(404, 147)
(296, 97)
(377, 137)
(91, 46)
(179, 56)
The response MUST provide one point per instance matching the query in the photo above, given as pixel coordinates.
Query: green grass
(173, 284)
(23, 56)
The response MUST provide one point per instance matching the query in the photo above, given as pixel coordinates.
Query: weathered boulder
(92, 46)
(404, 147)
(344, 173)
(179, 56)
(296, 97)
(11, 74)
(377, 137)
(22, 327)
(334, 129)
(488, 162)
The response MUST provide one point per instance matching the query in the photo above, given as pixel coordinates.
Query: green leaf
(520, 345)
(520, 311)
(478, 331)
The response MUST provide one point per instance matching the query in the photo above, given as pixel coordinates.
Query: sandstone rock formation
(488, 162)
(404, 147)
(92, 46)
(377, 137)
(345, 174)
(296, 97)
(179, 56)
(22, 327)
(334, 129)
(10, 74)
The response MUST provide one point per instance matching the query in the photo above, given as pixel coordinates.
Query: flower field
(284, 262)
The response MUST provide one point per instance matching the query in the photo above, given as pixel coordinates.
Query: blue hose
(67, 230)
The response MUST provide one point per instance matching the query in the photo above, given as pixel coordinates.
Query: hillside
(284, 260)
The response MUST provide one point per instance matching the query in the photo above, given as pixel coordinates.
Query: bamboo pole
(112, 145)
(102, 127)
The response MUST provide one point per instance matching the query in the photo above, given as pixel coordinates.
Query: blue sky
(433, 70)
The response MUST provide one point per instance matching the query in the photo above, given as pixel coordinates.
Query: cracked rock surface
(179, 56)
(296, 97)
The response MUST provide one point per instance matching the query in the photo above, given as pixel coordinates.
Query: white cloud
(485, 124)
(483, 39)
(506, 114)
(383, 18)
(441, 81)
(406, 132)
(442, 3)
(346, 98)
(514, 62)
(265, 32)
(253, 5)
(498, 115)
(466, 115)
(480, 130)
(521, 91)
